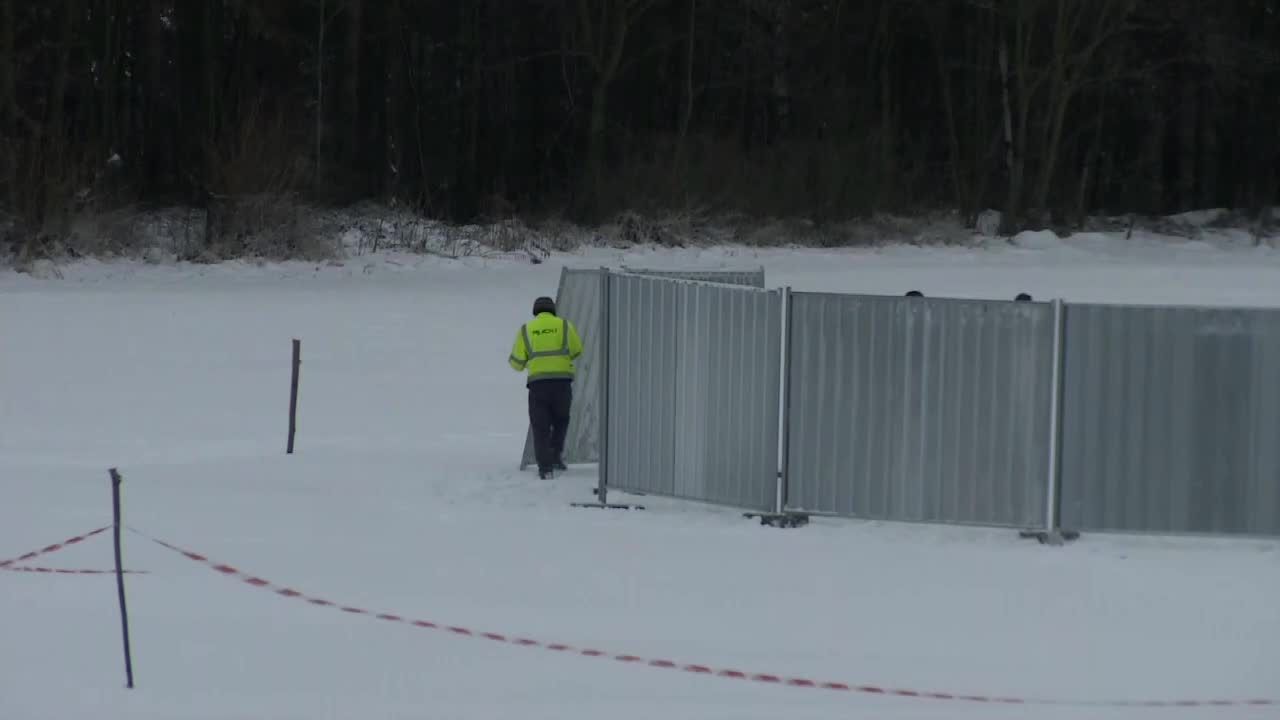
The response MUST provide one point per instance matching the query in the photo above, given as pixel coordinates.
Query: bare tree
(678, 167)
(1050, 52)
(604, 26)
(8, 105)
(327, 11)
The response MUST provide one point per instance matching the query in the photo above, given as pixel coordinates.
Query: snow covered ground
(403, 499)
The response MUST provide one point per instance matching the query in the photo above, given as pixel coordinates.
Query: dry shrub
(559, 235)
(267, 226)
(254, 207)
(53, 184)
(692, 227)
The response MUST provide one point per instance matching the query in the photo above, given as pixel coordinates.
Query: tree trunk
(9, 145)
(888, 129)
(351, 90)
(835, 116)
(606, 40)
(212, 42)
(55, 124)
(57, 149)
(1090, 169)
(1210, 159)
(1153, 154)
(107, 75)
(595, 135)
(1013, 161)
(781, 86)
(958, 186)
(321, 25)
(746, 87)
(678, 166)
(471, 160)
(155, 143)
(8, 66)
(1048, 166)
(982, 123)
(1187, 137)
(1063, 84)
(393, 69)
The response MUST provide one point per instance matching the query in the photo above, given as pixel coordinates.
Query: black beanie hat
(544, 305)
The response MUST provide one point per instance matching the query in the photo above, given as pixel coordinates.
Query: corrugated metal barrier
(1171, 420)
(579, 300)
(693, 378)
(920, 409)
(1013, 414)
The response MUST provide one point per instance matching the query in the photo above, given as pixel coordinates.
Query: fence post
(293, 394)
(602, 490)
(1053, 472)
(784, 405)
(124, 611)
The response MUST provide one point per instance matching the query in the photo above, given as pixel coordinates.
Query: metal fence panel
(694, 374)
(642, 384)
(578, 299)
(920, 409)
(748, 278)
(1170, 420)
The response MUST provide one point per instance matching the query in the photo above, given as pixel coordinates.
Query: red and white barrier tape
(794, 682)
(5, 564)
(67, 571)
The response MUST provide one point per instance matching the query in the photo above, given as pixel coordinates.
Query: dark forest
(1049, 110)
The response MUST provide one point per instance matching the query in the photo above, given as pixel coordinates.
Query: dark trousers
(549, 403)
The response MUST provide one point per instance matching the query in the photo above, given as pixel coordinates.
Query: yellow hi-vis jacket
(546, 346)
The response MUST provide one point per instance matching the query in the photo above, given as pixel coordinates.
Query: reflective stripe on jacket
(546, 346)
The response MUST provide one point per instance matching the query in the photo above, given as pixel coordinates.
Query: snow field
(404, 498)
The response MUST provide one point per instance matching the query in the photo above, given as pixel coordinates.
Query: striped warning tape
(764, 678)
(67, 571)
(52, 548)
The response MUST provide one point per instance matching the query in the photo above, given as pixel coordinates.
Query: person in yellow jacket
(546, 347)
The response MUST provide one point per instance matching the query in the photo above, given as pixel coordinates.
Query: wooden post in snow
(124, 610)
(293, 394)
